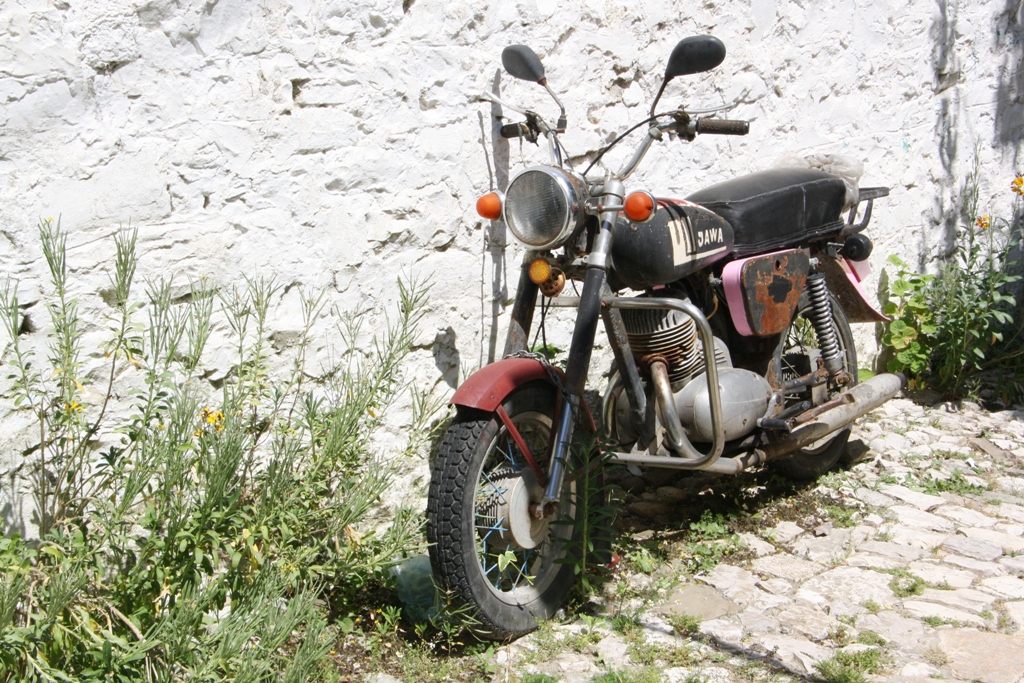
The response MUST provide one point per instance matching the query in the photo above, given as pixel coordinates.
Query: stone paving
(928, 568)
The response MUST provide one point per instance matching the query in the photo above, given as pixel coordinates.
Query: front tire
(473, 553)
(794, 355)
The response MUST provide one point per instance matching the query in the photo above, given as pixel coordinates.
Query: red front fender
(487, 388)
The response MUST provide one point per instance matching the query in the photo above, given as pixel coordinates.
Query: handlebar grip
(515, 130)
(723, 127)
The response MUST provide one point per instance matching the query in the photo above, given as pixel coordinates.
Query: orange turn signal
(639, 206)
(540, 271)
(489, 206)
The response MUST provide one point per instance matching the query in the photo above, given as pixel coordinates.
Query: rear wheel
(486, 549)
(795, 356)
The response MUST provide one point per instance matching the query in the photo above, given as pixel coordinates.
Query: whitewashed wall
(338, 144)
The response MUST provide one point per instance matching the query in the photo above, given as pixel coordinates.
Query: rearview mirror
(694, 55)
(691, 56)
(523, 63)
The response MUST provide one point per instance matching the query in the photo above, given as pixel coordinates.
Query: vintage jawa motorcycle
(728, 316)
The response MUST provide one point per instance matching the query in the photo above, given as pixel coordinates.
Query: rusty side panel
(771, 288)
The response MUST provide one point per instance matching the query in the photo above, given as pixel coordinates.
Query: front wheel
(797, 354)
(486, 550)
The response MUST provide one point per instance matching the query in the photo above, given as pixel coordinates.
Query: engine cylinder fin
(670, 334)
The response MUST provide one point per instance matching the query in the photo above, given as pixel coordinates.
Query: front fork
(582, 344)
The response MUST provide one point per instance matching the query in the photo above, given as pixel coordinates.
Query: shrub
(948, 327)
(208, 535)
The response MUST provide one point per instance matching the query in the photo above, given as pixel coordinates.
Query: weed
(850, 667)
(953, 325)
(839, 635)
(842, 517)
(869, 637)
(208, 536)
(871, 606)
(642, 560)
(648, 674)
(537, 678)
(935, 622)
(685, 624)
(956, 483)
(936, 656)
(589, 552)
(904, 584)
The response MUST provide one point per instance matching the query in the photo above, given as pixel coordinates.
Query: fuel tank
(679, 239)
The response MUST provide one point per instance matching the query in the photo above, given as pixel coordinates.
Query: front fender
(488, 387)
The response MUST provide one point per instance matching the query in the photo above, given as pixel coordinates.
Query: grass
(685, 624)
(869, 637)
(936, 656)
(851, 667)
(904, 584)
(648, 674)
(842, 517)
(871, 606)
(956, 483)
(537, 678)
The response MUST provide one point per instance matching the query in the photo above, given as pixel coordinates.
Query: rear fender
(844, 279)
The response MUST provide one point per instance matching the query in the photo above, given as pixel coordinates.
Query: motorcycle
(727, 314)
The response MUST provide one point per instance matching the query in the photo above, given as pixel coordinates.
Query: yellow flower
(1017, 185)
(983, 222)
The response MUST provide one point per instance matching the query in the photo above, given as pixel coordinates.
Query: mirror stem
(657, 98)
(560, 126)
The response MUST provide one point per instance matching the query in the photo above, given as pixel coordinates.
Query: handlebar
(722, 127)
(518, 130)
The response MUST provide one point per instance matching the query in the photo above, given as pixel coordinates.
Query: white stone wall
(337, 143)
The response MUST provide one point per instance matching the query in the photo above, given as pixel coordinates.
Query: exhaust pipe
(858, 401)
(847, 407)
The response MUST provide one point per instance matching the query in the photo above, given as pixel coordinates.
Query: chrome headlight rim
(573, 190)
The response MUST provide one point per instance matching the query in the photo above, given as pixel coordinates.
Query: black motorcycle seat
(777, 208)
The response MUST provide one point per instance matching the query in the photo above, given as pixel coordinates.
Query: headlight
(544, 206)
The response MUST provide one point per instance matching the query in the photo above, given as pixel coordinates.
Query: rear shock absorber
(821, 319)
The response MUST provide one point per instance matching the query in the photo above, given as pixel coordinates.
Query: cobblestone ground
(906, 566)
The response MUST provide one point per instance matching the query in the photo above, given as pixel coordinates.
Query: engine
(672, 335)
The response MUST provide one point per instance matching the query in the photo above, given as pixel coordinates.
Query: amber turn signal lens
(489, 206)
(639, 206)
(540, 271)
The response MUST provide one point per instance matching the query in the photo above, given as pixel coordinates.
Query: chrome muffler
(838, 413)
(819, 423)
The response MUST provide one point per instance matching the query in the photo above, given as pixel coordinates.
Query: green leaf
(505, 559)
(901, 288)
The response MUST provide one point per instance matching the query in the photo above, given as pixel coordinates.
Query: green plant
(850, 667)
(589, 551)
(910, 331)
(685, 624)
(960, 321)
(936, 656)
(871, 606)
(842, 517)
(211, 535)
(869, 637)
(649, 674)
(537, 678)
(904, 584)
